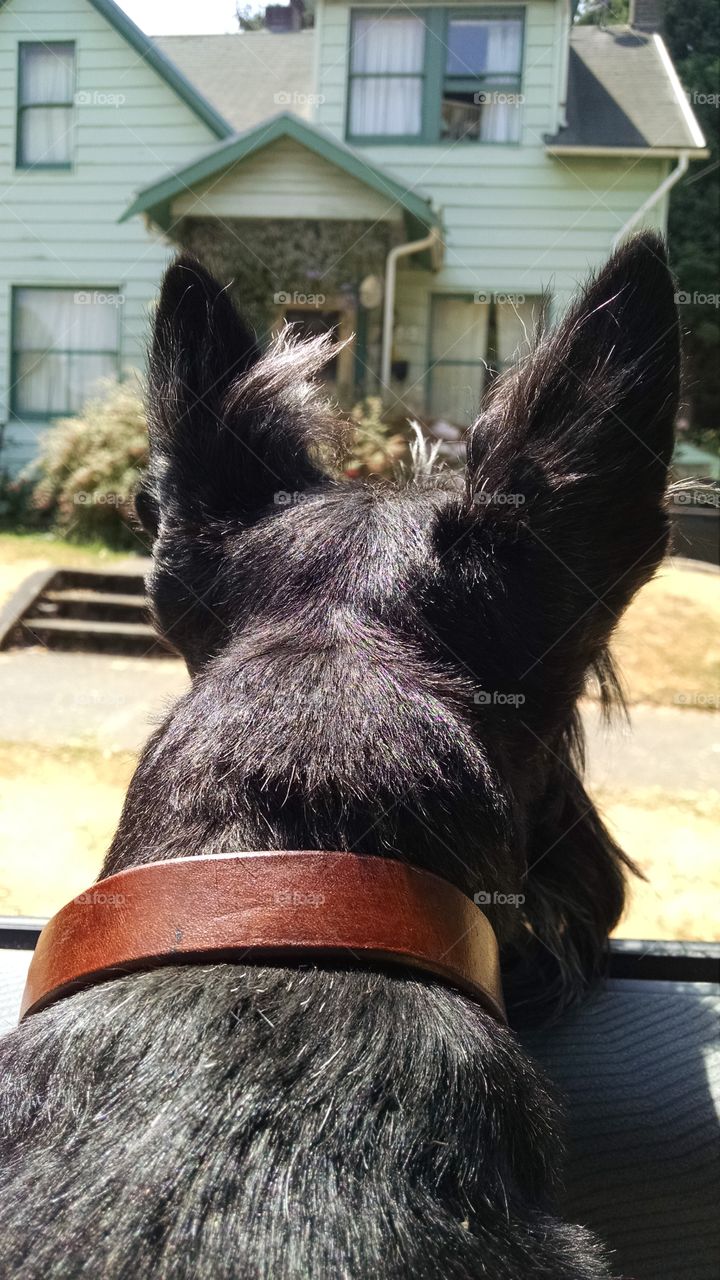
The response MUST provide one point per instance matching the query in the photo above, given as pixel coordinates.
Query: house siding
(516, 220)
(60, 228)
(285, 180)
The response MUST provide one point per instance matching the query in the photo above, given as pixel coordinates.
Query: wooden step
(86, 596)
(79, 626)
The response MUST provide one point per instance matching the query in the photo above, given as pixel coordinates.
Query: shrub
(89, 466)
(17, 509)
(378, 446)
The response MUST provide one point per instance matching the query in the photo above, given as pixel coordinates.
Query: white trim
(649, 153)
(696, 132)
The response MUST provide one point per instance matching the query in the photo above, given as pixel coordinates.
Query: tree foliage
(692, 33)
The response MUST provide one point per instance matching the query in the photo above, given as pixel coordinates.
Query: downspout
(400, 251)
(667, 183)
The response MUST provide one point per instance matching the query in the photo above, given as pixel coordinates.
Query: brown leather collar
(292, 907)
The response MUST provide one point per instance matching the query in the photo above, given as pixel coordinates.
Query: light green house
(418, 180)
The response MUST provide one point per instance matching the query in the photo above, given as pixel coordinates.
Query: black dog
(392, 670)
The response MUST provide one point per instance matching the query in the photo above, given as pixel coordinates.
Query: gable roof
(156, 199)
(248, 76)
(155, 58)
(624, 94)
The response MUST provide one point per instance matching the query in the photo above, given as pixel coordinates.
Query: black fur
(358, 654)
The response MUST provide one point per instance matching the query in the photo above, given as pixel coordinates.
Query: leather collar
(289, 907)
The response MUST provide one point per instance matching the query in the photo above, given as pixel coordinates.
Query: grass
(16, 548)
(667, 645)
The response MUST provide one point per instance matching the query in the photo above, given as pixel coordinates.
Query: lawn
(668, 643)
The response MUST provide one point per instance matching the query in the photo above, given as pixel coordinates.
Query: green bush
(88, 468)
(17, 509)
(378, 445)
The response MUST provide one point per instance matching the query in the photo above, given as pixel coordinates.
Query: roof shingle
(620, 94)
(248, 76)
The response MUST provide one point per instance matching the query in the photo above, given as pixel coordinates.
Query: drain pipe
(400, 251)
(667, 183)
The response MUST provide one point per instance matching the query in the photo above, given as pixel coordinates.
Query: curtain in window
(457, 353)
(516, 325)
(501, 119)
(46, 82)
(504, 47)
(386, 85)
(65, 343)
(46, 73)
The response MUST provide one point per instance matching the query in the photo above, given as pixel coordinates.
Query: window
(386, 76)
(481, 86)
(471, 338)
(444, 76)
(46, 78)
(64, 343)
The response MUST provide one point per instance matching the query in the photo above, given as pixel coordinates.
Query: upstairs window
(481, 86)
(387, 59)
(435, 75)
(46, 80)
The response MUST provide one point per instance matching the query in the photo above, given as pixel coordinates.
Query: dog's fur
(357, 653)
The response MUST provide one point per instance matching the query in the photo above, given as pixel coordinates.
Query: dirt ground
(59, 805)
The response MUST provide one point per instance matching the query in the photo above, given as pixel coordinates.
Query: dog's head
(452, 621)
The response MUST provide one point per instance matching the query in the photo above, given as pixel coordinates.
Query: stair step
(80, 626)
(86, 596)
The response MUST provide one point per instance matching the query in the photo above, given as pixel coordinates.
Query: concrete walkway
(61, 699)
(73, 698)
(674, 748)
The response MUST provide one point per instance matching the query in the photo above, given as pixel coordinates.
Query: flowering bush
(88, 467)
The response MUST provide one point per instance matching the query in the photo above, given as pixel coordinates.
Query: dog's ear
(226, 431)
(568, 464)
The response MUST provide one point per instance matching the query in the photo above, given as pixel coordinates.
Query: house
(422, 181)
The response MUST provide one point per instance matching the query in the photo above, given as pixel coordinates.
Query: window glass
(481, 96)
(458, 345)
(46, 76)
(65, 342)
(386, 67)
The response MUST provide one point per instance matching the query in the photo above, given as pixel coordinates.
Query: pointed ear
(225, 433)
(568, 465)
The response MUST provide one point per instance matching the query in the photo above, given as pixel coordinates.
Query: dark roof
(623, 92)
(248, 76)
